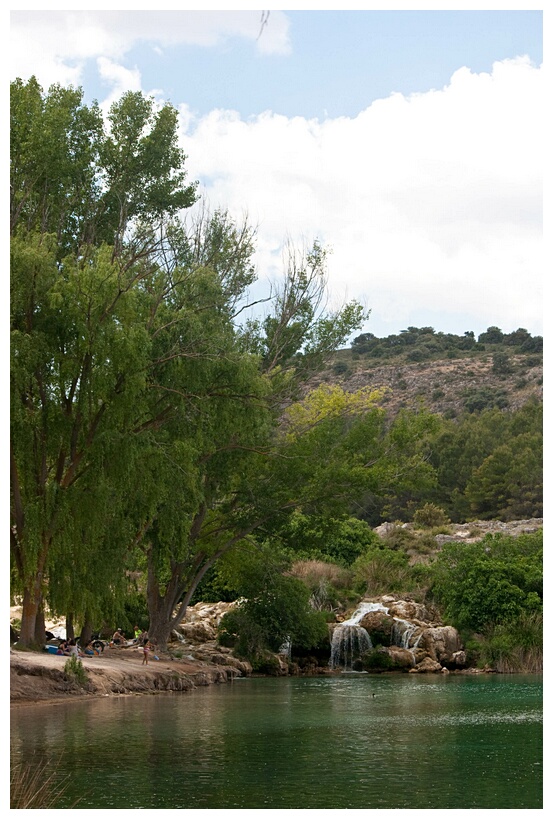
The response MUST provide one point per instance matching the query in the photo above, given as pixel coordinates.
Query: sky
(409, 143)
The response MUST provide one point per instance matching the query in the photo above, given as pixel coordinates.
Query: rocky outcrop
(470, 532)
(442, 644)
(200, 623)
(409, 634)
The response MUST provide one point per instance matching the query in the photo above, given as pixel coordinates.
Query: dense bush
(276, 611)
(419, 343)
(515, 646)
(336, 540)
(376, 660)
(430, 516)
(489, 583)
(74, 671)
(482, 398)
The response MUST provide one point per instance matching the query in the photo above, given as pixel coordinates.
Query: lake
(351, 741)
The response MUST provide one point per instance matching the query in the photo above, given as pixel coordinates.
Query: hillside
(445, 385)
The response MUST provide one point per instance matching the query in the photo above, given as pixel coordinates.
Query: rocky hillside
(448, 386)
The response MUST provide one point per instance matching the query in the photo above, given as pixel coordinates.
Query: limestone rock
(441, 644)
(402, 657)
(379, 625)
(427, 666)
(198, 632)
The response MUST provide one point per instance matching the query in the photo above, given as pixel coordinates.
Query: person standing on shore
(147, 648)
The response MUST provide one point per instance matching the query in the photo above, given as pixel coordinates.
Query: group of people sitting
(72, 648)
(94, 647)
(119, 639)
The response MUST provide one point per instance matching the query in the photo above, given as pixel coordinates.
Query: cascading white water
(402, 632)
(349, 639)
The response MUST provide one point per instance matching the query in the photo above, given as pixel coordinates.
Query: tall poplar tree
(85, 284)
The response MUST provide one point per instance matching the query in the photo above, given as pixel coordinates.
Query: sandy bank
(39, 676)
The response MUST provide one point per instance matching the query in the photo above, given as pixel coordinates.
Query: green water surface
(353, 741)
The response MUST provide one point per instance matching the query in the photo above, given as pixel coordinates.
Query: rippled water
(354, 741)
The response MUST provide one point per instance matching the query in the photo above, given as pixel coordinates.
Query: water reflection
(355, 741)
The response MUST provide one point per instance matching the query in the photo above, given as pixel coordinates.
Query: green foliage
(376, 660)
(380, 571)
(340, 368)
(489, 465)
(430, 516)
(276, 609)
(420, 344)
(509, 482)
(339, 540)
(501, 363)
(491, 582)
(482, 398)
(74, 670)
(515, 646)
(493, 335)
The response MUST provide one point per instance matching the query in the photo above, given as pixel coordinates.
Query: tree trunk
(28, 617)
(168, 610)
(160, 610)
(69, 626)
(86, 631)
(32, 601)
(160, 606)
(40, 626)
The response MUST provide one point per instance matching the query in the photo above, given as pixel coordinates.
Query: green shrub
(490, 583)
(399, 538)
(501, 363)
(430, 516)
(376, 660)
(426, 543)
(265, 663)
(477, 400)
(74, 671)
(340, 368)
(276, 611)
(516, 646)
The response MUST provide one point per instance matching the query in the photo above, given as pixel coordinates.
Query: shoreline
(39, 678)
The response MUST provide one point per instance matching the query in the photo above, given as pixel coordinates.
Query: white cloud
(118, 79)
(55, 45)
(429, 202)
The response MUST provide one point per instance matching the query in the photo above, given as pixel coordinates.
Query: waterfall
(402, 632)
(349, 639)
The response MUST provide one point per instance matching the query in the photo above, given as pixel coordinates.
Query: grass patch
(36, 786)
